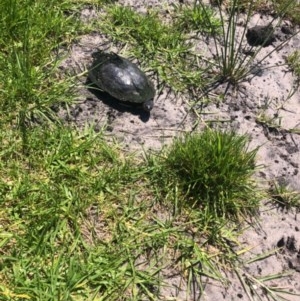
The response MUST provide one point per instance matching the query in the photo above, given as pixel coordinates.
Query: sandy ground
(266, 95)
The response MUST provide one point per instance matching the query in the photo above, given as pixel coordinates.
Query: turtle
(121, 79)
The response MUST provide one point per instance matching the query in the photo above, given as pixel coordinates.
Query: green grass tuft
(214, 168)
(293, 61)
(284, 196)
(30, 84)
(146, 32)
(198, 18)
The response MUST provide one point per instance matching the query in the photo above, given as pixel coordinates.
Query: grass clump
(31, 31)
(198, 18)
(293, 61)
(284, 196)
(146, 32)
(214, 168)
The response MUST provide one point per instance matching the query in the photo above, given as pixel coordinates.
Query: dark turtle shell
(122, 79)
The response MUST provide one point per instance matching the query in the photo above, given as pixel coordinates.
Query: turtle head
(148, 105)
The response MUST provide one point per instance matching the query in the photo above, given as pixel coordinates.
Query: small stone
(260, 36)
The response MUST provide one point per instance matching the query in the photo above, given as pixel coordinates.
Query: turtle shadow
(120, 106)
